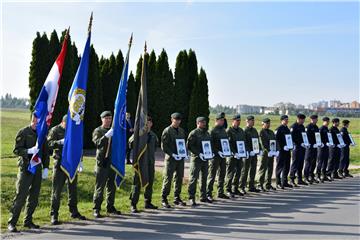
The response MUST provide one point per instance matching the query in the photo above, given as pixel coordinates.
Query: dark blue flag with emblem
(73, 143)
(118, 140)
(140, 130)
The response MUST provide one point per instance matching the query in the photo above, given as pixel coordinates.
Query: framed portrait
(305, 138)
(330, 138)
(181, 147)
(272, 145)
(289, 141)
(318, 138)
(340, 138)
(351, 139)
(225, 147)
(241, 148)
(255, 145)
(206, 148)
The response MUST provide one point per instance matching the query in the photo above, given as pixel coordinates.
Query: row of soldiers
(208, 159)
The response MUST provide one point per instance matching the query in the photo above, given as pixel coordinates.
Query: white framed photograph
(241, 148)
(225, 147)
(272, 145)
(305, 139)
(351, 139)
(318, 138)
(181, 147)
(289, 141)
(331, 142)
(255, 145)
(207, 151)
(340, 138)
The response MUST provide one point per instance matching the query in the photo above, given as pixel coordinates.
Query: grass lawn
(12, 121)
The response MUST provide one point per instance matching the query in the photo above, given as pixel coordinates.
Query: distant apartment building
(249, 109)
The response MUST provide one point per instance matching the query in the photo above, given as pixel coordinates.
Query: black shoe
(348, 175)
(54, 220)
(31, 225)
(336, 176)
(253, 189)
(178, 201)
(210, 199)
(292, 182)
(280, 186)
(114, 211)
(230, 195)
(288, 185)
(243, 191)
(77, 215)
(193, 203)
(134, 209)
(149, 205)
(261, 188)
(97, 214)
(325, 178)
(223, 196)
(237, 192)
(301, 182)
(271, 188)
(165, 203)
(12, 228)
(308, 181)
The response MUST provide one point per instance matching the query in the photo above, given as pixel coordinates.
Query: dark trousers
(334, 160)
(297, 163)
(310, 162)
(345, 159)
(282, 167)
(322, 160)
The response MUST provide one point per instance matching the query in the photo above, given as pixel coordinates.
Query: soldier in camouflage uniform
(56, 143)
(105, 175)
(28, 185)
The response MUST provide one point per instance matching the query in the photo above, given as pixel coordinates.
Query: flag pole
(112, 124)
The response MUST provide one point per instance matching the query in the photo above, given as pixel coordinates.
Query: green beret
(219, 116)
(283, 117)
(266, 120)
(176, 115)
(251, 117)
(106, 114)
(64, 118)
(236, 117)
(200, 119)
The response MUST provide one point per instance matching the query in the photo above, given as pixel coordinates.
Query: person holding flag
(32, 148)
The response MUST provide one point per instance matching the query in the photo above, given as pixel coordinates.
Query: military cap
(314, 116)
(200, 119)
(219, 116)
(326, 119)
(335, 120)
(106, 114)
(301, 116)
(283, 117)
(345, 122)
(176, 115)
(266, 120)
(222, 114)
(64, 118)
(251, 117)
(236, 117)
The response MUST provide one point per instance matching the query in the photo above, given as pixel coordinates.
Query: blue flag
(118, 144)
(73, 144)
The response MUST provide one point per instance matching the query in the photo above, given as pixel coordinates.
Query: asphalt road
(323, 211)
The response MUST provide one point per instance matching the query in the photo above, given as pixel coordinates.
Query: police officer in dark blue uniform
(311, 152)
(334, 151)
(323, 152)
(345, 151)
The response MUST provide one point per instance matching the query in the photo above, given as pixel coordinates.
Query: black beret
(301, 116)
(64, 118)
(149, 118)
(283, 117)
(345, 122)
(200, 119)
(251, 117)
(335, 120)
(176, 115)
(236, 117)
(325, 119)
(314, 116)
(219, 116)
(266, 120)
(222, 114)
(106, 114)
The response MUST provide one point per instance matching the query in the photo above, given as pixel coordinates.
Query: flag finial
(90, 23)
(67, 33)
(131, 39)
(145, 47)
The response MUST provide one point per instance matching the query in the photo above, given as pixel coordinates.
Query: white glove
(237, 156)
(33, 150)
(176, 157)
(213, 155)
(45, 173)
(221, 154)
(260, 153)
(315, 145)
(352, 144)
(252, 153)
(286, 148)
(339, 146)
(61, 141)
(81, 167)
(303, 145)
(329, 145)
(276, 154)
(201, 156)
(109, 133)
(322, 145)
(247, 155)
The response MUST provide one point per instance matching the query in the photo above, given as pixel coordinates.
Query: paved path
(323, 211)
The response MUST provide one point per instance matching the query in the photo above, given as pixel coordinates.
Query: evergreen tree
(110, 82)
(152, 83)
(131, 96)
(54, 47)
(119, 63)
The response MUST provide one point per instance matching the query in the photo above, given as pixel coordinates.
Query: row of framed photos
(208, 154)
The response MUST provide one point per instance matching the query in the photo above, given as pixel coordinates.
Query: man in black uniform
(311, 152)
(345, 151)
(298, 153)
(323, 152)
(283, 160)
(334, 151)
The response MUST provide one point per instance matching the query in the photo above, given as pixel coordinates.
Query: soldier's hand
(315, 145)
(276, 154)
(61, 141)
(247, 155)
(260, 153)
(176, 157)
(33, 150)
(81, 167)
(221, 154)
(339, 146)
(252, 153)
(45, 173)
(303, 145)
(286, 148)
(201, 156)
(109, 133)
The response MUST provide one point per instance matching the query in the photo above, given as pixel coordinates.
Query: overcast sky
(253, 53)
